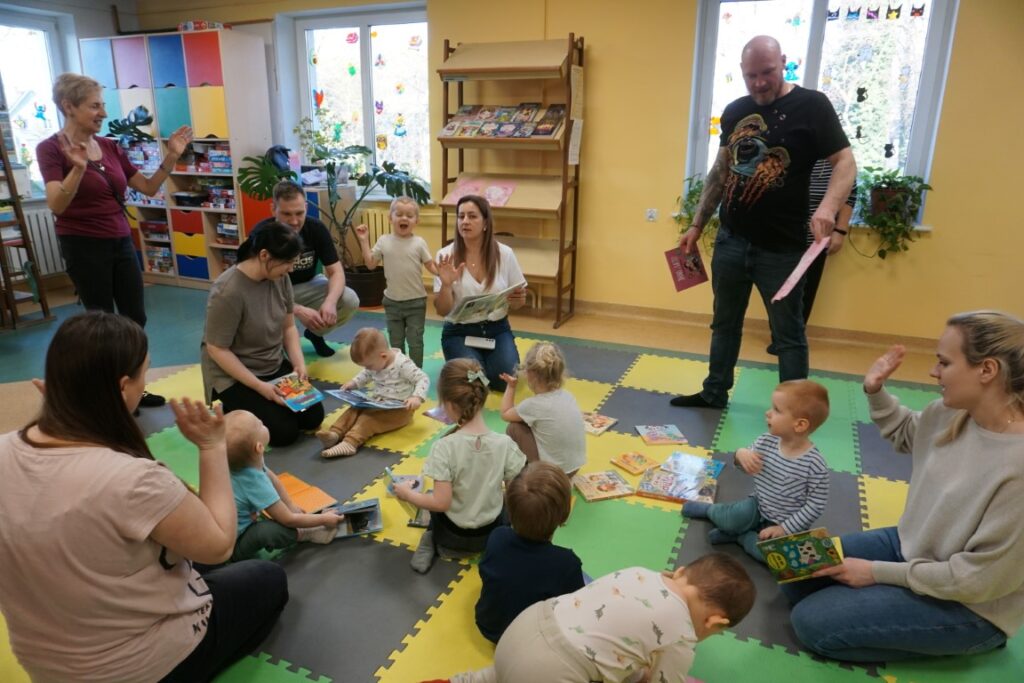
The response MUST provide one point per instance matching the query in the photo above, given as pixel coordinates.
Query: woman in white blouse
(476, 263)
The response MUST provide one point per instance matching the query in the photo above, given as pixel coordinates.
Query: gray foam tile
(877, 456)
(633, 407)
(598, 365)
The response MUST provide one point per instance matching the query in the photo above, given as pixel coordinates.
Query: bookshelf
(550, 198)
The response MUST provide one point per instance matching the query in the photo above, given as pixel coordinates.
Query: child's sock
(317, 534)
(695, 509)
(328, 437)
(342, 450)
(319, 345)
(423, 558)
(717, 537)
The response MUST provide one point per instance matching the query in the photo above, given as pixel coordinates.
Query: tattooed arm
(709, 200)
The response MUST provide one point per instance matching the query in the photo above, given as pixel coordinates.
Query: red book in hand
(687, 269)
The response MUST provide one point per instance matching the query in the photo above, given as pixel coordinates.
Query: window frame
(927, 109)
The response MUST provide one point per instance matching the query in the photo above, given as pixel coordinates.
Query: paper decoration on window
(853, 14)
(893, 13)
(716, 126)
(791, 68)
(373, 34)
(318, 98)
(313, 58)
(889, 150)
(794, 20)
(20, 122)
(41, 112)
(728, 77)
(382, 141)
(400, 130)
(336, 131)
(399, 88)
(862, 94)
(727, 17)
(355, 117)
(351, 69)
(860, 133)
(352, 38)
(379, 61)
(904, 79)
(873, 13)
(378, 106)
(832, 15)
(916, 11)
(415, 43)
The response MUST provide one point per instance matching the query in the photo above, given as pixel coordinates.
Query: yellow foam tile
(666, 375)
(524, 344)
(589, 394)
(448, 642)
(396, 521)
(185, 384)
(338, 368)
(882, 501)
(10, 670)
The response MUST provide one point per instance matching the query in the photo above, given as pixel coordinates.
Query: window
(883, 68)
(369, 71)
(27, 68)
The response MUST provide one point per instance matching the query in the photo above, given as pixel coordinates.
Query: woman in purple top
(86, 177)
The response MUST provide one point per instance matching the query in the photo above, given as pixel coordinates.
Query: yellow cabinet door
(209, 115)
(137, 97)
(189, 245)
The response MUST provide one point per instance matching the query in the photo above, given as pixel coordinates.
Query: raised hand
(882, 368)
(179, 140)
(76, 152)
(447, 271)
(362, 232)
(510, 381)
(197, 424)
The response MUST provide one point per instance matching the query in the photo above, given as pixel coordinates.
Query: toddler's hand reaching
(413, 402)
(330, 518)
(348, 386)
(749, 461)
(403, 489)
(770, 532)
(510, 381)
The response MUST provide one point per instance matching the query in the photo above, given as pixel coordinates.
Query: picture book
(466, 112)
(417, 485)
(474, 308)
(361, 517)
(308, 497)
(505, 114)
(438, 413)
(489, 129)
(451, 129)
(298, 394)
(545, 129)
(361, 399)
(695, 465)
(676, 488)
(687, 269)
(597, 424)
(633, 462)
(525, 112)
(797, 556)
(524, 130)
(470, 129)
(657, 435)
(486, 113)
(496, 192)
(602, 485)
(507, 130)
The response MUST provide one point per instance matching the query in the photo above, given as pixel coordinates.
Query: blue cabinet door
(168, 61)
(171, 109)
(98, 62)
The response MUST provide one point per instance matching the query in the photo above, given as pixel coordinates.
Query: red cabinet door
(130, 62)
(202, 58)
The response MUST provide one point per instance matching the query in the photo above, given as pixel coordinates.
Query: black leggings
(105, 272)
(448, 534)
(284, 425)
(247, 600)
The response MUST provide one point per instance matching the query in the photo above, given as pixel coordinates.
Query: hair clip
(478, 375)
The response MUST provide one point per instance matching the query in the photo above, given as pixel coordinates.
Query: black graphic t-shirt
(316, 245)
(772, 151)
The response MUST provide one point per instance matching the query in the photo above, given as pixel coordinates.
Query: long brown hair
(87, 358)
(489, 248)
(454, 386)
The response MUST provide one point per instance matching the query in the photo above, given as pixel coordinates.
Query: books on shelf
(597, 424)
(361, 399)
(298, 394)
(361, 517)
(308, 497)
(798, 556)
(529, 119)
(601, 485)
(656, 435)
(633, 462)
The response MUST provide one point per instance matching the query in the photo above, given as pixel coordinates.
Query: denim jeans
(883, 623)
(503, 358)
(742, 519)
(736, 267)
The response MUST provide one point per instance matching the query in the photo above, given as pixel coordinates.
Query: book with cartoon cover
(470, 129)
(473, 308)
(466, 112)
(597, 424)
(360, 399)
(418, 517)
(524, 130)
(298, 394)
(361, 517)
(797, 556)
(489, 129)
(507, 130)
(601, 485)
(687, 269)
(505, 114)
(633, 462)
(661, 484)
(451, 129)
(656, 435)
(694, 465)
(525, 112)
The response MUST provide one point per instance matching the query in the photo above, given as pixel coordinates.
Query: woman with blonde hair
(947, 579)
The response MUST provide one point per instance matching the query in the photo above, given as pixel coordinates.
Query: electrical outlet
(651, 215)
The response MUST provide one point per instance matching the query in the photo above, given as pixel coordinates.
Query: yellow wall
(638, 81)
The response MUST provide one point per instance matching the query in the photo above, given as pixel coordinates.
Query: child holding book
(394, 377)
(257, 489)
(403, 255)
(633, 624)
(791, 478)
(521, 566)
(548, 425)
(468, 467)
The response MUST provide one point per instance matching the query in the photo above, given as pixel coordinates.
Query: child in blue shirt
(521, 566)
(258, 489)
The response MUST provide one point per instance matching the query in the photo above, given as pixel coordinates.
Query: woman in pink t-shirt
(98, 540)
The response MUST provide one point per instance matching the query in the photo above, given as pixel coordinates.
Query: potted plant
(893, 201)
(687, 204)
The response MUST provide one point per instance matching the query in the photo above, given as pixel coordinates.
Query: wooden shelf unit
(536, 196)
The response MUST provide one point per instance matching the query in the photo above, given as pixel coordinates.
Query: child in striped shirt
(790, 476)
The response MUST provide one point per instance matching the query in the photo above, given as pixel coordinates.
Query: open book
(361, 517)
(475, 308)
(418, 517)
(797, 556)
(360, 399)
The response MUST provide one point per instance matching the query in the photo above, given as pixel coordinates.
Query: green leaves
(258, 179)
(891, 203)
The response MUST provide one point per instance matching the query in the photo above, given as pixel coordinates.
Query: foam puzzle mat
(359, 613)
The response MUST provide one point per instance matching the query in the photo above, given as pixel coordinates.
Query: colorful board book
(298, 394)
(693, 465)
(656, 435)
(361, 517)
(597, 424)
(602, 485)
(308, 497)
(361, 399)
(662, 484)
(633, 462)
(798, 556)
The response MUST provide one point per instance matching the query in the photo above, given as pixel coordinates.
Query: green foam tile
(258, 669)
(1004, 664)
(643, 536)
(743, 420)
(178, 453)
(726, 658)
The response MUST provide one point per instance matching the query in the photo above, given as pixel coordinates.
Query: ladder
(14, 236)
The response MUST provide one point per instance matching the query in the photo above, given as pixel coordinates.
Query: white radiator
(44, 243)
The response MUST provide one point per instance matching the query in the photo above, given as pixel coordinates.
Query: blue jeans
(736, 267)
(503, 358)
(741, 519)
(883, 623)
